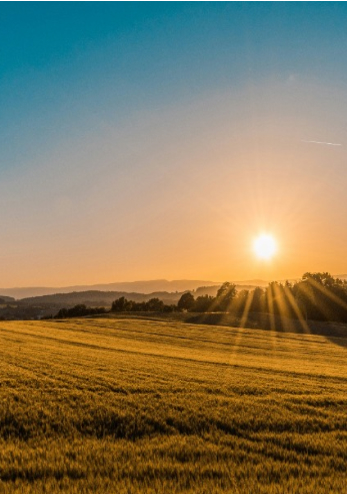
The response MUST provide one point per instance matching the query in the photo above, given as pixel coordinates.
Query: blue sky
(141, 80)
(65, 66)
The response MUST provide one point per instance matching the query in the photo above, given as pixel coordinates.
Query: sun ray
(239, 333)
(270, 299)
(297, 311)
(323, 308)
(246, 309)
(323, 289)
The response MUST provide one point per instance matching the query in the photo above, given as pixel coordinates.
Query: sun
(265, 246)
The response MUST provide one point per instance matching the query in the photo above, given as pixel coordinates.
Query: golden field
(135, 405)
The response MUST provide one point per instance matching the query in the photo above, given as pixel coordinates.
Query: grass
(131, 405)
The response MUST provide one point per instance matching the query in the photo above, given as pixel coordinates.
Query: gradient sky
(156, 140)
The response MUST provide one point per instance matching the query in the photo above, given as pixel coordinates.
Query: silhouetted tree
(324, 279)
(79, 310)
(322, 296)
(225, 296)
(186, 302)
(241, 301)
(203, 303)
(119, 305)
(258, 300)
(155, 305)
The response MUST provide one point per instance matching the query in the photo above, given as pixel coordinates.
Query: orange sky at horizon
(182, 192)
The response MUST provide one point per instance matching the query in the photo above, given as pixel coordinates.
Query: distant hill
(149, 286)
(96, 298)
(5, 299)
(142, 287)
(126, 287)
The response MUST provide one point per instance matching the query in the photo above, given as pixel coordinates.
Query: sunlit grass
(129, 405)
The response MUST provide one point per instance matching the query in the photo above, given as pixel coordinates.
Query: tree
(257, 304)
(203, 303)
(241, 302)
(225, 296)
(119, 305)
(324, 279)
(186, 301)
(155, 305)
(324, 297)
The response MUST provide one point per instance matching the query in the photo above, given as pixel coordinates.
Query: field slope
(131, 405)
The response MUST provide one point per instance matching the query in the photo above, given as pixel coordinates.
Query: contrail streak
(322, 142)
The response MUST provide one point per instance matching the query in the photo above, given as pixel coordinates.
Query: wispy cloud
(322, 142)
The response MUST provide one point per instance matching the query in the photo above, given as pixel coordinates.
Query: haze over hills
(97, 298)
(145, 287)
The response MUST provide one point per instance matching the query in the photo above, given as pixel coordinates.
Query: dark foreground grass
(130, 406)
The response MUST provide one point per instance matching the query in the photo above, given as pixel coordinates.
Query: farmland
(133, 405)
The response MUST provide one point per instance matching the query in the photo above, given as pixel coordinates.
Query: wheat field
(149, 406)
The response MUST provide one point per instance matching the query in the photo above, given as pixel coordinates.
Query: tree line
(80, 310)
(316, 296)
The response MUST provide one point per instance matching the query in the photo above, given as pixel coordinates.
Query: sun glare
(265, 246)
